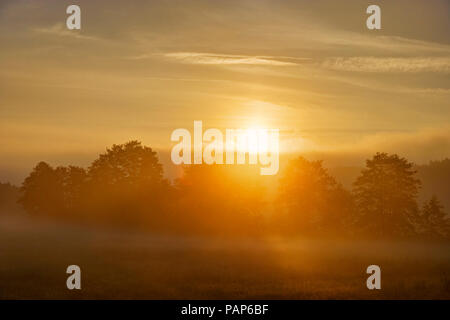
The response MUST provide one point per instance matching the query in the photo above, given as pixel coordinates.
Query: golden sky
(140, 69)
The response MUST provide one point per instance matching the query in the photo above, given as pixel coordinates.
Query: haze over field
(118, 265)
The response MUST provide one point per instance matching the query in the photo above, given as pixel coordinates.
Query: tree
(126, 183)
(435, 177)
(42, 191)
(73, 181)
(9, 194)
(53, 191)
(433, 221)
(312, 199)
(123, 185)
(385, 195)
(129, 164)
(220, 199)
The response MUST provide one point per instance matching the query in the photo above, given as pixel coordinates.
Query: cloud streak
(389, 64)
(226, 59)
(61, 31)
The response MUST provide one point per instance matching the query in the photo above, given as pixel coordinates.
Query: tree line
(126, 186)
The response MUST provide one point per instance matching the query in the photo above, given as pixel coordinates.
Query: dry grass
(120, 265)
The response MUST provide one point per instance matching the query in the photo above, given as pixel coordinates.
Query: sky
(141, 69)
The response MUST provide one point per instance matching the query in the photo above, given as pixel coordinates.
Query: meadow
(121, 264)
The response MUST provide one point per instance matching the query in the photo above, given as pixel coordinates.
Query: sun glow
(234, 146)
(257, 140)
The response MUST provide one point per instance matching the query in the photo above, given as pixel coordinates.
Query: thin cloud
(60, 30)
(226, 59)
(392, 44)
(390, 64)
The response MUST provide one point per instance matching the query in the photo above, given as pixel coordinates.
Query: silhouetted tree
(128, 164)
(433, 222)
(9, 195)
(42, 191)
(220, 199)
(312, 199)
(73, 181)
(435, 177)
(126, 183)
(385, 195)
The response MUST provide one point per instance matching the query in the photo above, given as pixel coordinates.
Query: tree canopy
(312, 199)
(385, 194)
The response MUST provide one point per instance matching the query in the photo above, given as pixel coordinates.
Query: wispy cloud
(227, 59)
(389, 64)
(381, 44)
(60, 30)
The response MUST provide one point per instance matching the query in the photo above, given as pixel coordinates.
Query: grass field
(115, 264)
